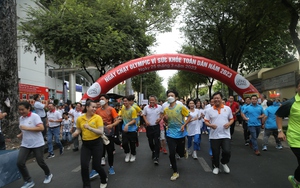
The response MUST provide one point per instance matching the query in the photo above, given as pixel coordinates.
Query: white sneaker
(127, 157)
(216, 171)
(132, 158)
(48, 179)
(103, 161)
(225, 168)
(194, 155)
(103, 185)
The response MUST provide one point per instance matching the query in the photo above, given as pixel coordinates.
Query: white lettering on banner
(122, 70)
(143, 69)
(175, 59)
(162, 60)
(110, 76)
(164, 66)
(202, 63)
(226, 73)
(214, 67)
(153, 60)
(189, 61)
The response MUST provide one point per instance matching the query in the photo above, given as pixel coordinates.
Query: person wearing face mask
(110, 120)
(152, 115)
(174, 116)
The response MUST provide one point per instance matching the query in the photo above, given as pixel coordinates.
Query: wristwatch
(279, 130)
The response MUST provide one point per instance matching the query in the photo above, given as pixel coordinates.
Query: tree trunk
(293, 23)
(9, 87)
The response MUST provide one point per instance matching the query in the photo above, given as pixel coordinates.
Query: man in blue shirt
(270, 126)
(254, 113)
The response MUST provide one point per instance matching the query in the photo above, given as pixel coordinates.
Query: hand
(86, 126)
(147, 123)
(226, 126)
(109, 126)
(19, 136)
(23, 127)
(182, 128)
(126, 128)
(75, 134)
(281, 136)
(51, 120)
(213, 126)
(166, 118)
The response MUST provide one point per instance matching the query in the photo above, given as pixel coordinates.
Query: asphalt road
(271, 169)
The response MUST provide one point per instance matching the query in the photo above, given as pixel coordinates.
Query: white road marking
(77, 169)
(204, 164)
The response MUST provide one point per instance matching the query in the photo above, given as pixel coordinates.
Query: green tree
(81, 33)
(219, 86)
(229, 30)
(203, 91)
(149, 84)
(99, 33)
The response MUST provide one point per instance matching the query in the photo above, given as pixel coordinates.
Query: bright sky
(168, 43)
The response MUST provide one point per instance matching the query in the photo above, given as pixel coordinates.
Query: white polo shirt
(54, 115)
(75, 114)
(153, 113)
(219, 117)
(31, 139)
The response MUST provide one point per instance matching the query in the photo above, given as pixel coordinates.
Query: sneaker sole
(92, 177)
(173, 179)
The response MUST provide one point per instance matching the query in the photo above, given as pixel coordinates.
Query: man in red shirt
(235, 108)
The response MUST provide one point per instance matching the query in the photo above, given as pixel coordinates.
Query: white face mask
(102, 102)
(171, 99)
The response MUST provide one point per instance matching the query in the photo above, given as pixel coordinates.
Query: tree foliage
(149, 84)
(186, 83)
(227, 30)
(241, 34)
(97, 32)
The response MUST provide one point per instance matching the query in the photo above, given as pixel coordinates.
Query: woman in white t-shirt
(193, 129)
(31, 126)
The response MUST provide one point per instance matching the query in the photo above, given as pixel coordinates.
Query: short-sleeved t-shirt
(234, 107)
(75, 114)
(271, 117)
(108, 115)
(66, 125)
(54, 115)
(152, 113)
(176, 116)
(31, 139)
(127, 116)
(194, 127)
(291, 109)
(219, 116)
(253, 112)
(94, 122)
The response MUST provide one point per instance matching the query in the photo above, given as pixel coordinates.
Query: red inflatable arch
(196, 64)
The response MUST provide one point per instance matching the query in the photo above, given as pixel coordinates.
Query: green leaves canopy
(97, 32)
